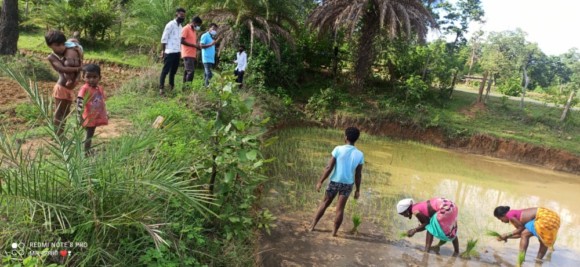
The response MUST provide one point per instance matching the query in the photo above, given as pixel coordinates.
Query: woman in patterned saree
(437, 215)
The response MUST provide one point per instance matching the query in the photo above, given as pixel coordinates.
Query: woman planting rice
(438, 215)
(540, 222)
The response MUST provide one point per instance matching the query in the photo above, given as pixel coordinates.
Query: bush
(322, 104)
(415, 89)
(511, 87)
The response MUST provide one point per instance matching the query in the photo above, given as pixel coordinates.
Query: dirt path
(116, 128)
(290, 244)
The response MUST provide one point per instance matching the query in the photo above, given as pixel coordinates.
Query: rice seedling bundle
(470, 249)
(521, 258)
(403, 234)
(356, 221)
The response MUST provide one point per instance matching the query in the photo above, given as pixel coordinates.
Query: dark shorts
(189, 63)
(340, 188)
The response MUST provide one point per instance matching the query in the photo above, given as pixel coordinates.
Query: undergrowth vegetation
(152, 197)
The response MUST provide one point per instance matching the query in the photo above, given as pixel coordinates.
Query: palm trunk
(9, 27)
(366, 51)
(568, 104)
(481, 86)
(471, 60)
(526, 81)
(489, 81)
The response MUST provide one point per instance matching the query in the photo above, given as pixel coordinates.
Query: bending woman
(540, 222)
(438, 215)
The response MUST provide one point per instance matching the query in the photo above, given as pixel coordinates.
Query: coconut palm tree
(370, 18)
(256, 16)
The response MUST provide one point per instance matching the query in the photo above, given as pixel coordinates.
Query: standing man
(170, 49)
(242, 62)
(189, 48)
(345, 165)
(208, 42)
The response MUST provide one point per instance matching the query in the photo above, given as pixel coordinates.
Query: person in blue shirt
(208, 43)
(344, 169)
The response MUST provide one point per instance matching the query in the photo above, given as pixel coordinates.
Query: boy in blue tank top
(345, 165)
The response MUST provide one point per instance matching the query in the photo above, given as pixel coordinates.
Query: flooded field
(395, 170)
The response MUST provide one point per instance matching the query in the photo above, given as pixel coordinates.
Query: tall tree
(9, 27)
(369, 19)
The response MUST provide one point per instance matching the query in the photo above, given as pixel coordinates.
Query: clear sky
(553, 25)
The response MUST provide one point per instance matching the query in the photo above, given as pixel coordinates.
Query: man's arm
(58, 66)
(186, 43)
(204, 45)
(165, 38)
(357, 180)
(327, 171)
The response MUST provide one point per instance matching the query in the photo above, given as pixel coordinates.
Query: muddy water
(477, 184)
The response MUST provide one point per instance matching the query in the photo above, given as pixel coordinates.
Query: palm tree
(370, 18)
(256, 16)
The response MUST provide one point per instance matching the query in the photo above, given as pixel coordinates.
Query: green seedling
(493, 234)
(356, 221)
(470, 250)
(521, 258)
(403, 234)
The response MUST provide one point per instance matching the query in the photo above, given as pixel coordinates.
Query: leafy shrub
(510, 87)
(322, 104)
(415, 89)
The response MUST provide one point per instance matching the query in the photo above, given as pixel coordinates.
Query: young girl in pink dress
(95, 112)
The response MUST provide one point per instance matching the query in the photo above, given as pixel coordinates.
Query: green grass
(108, 53)
(536, 124)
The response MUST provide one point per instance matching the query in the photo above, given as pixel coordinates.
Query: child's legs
(326, 201)
(342, 199)
(61, 110)
(88, 140)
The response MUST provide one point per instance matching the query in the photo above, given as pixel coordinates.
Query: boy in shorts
(67, 62)
(345, 165)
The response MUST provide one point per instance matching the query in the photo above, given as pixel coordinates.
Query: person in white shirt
(242, 61)
(171, 49)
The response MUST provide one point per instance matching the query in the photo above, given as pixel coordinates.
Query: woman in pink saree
(437, 215)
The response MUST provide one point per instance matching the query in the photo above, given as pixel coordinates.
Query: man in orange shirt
(189, 48)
